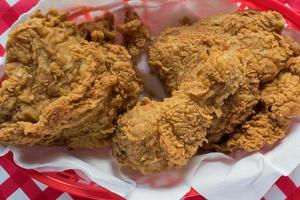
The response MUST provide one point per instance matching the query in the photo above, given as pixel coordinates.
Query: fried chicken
(156, 136)
(62, 89)
(257, 37)
(208, 99)
(280, 101)
(136, 34)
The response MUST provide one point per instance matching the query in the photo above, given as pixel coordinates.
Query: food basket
(77, 184)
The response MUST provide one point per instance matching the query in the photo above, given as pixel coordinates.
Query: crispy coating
(251, 46)
(281, 101)
(62, 89)
(179, 49)
(156, 136)
(255, 34)
(136, 34)
(100, 30)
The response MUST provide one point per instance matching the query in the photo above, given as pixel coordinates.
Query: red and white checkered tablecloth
(15, 185)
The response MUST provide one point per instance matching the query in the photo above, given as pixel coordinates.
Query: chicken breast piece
(62, 89)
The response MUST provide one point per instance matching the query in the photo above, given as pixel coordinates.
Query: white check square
(3, 175)
(17, 195)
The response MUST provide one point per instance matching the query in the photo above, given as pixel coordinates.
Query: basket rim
(69, 186)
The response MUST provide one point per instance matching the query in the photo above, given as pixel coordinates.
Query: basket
(69, 181)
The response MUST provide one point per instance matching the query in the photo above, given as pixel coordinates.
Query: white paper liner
(213, 175)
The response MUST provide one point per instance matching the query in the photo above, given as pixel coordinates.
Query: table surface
(15, 185)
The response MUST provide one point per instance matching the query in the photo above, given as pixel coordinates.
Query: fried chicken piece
(179, 49)
(281, 102)
(136, 34)
(184, 58)
(242, 105)
(156, 136)
(256, 34)
(62, 89)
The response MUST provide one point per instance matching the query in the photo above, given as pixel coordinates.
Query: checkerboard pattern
(15, 185)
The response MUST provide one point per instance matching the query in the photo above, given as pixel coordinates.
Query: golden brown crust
(100, 30)
(136, 34)
(62, 89)
(255, 34)
(281, 102)
(218, 66)
(156, 136)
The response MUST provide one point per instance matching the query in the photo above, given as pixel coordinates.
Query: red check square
(23, 6)
(31, 189)
(10, 16)
(3, 6)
